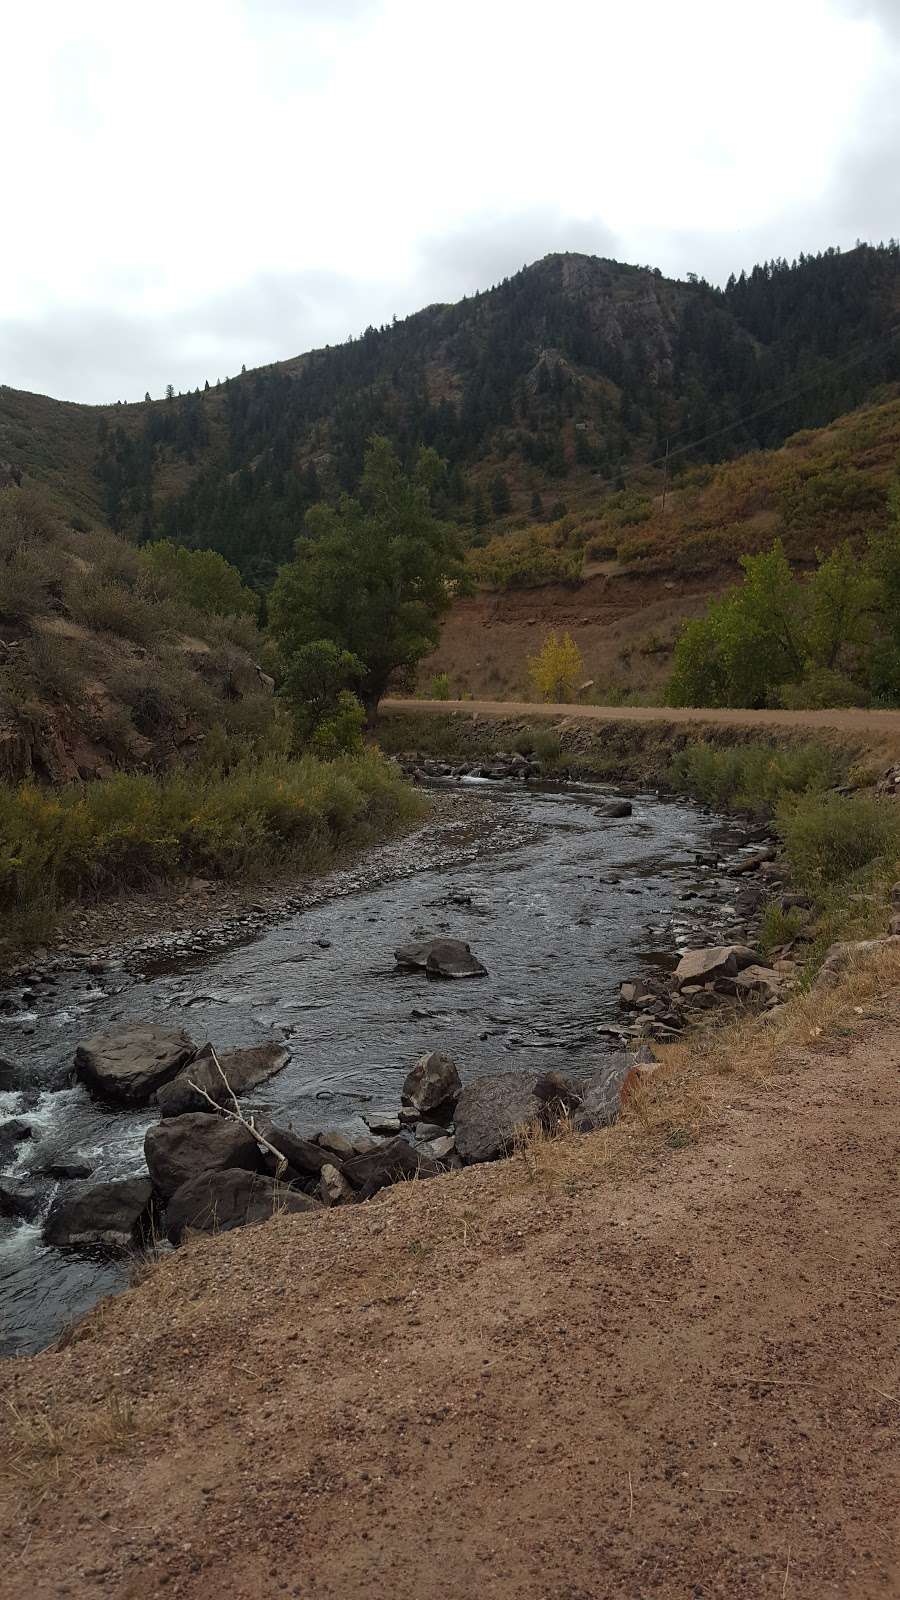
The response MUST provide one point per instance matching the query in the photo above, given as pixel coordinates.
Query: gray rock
(114, 1215)
(602, 1093)
(129, 1063)
(244, 1069)
(489, 1113)
(393, 1160)
(432, 1130)
(11, 1076)
(215, 1202)
(12, 1133)
(433, 1086)
(303, 1156)
(440, 1149)
(382, 1121)
(615, 808)
(441, 958)
(840, 957)
(76, 1168)
(333, 1187)
(18, 1199)
(180, 1148)
(719, 961)
(336, 1142)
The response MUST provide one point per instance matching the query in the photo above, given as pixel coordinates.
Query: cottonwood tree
(374, 574)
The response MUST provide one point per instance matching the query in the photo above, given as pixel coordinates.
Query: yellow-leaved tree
(558, 668)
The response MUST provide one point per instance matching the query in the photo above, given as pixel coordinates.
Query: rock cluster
(214, 1169)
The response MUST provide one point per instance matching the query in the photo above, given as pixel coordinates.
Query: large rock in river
(114, 1215)
(214, 1202)
(720, 961)
(440, 958)
(180, 1148)
(489, 1113)
(433, 1085)
(130, 1062)
(244, 1069)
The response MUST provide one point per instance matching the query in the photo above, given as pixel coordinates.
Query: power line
(763, 411)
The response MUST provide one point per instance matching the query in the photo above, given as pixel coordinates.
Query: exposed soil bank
(528, 1381)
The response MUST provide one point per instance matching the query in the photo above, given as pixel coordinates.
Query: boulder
(720, 961)
(333, 1186)
(433, 1086)
(76, 1168)
(18, 1199)
(382, 1121)
(11, 1076)
(129, 1063)
(303, 1156)
(113, 1215)
(12, 1133)
(756, 980)
(214, 1202)
(603, 1091)
(440, 1149)
(615, 808)
(244, 1069)
(393, 1160)
(441, 958)
(336, 1142)
(179, 1148)
(490, 1111)
(840, 957)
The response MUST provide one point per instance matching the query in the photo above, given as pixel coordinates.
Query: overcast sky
(196, 184)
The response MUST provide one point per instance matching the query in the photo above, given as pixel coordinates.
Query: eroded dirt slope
(668, 1373)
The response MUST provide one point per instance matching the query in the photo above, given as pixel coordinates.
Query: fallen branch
(237, 1115)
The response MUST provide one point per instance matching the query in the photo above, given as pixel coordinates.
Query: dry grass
(38, 1447)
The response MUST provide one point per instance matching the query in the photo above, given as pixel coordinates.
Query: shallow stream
(560, 903)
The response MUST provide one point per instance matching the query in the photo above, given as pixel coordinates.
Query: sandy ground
(881, 725)
(609, 1369)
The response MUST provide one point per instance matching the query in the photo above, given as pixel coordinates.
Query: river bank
(608, 1365)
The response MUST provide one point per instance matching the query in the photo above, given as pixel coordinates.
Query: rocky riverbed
(563, 897)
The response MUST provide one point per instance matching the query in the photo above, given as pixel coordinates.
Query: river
(560, 903)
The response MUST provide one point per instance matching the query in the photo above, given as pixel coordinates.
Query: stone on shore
(244, 1069)
(303, 1156)
(179, 1148)
(129, 1063)
(719, 961)
(489, 1113)
(433, 1086)
(215, 1202)
(389, 1162)
(111, 1215)
(440, 958)
(840, 957)
(333, 1186)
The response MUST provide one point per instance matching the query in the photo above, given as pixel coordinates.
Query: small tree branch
(238, 1116)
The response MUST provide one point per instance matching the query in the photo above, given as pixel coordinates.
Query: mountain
(553, 389)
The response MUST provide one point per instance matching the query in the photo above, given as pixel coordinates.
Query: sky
(195, 185)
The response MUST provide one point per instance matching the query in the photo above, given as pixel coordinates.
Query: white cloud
(204, 183)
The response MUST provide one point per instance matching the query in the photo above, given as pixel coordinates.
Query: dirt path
(876, 724)
(608, 1373)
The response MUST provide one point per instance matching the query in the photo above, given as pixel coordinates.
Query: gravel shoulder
(607, 1368)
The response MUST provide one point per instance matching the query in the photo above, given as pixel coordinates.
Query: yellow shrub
(557, 669)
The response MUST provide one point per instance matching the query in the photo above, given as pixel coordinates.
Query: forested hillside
(551, 391)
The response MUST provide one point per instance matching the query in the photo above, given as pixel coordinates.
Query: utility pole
(665, 476)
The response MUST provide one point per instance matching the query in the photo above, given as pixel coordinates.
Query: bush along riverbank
(86, 841)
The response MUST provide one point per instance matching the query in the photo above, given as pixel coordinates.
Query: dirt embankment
(610, 1367)
(624, 623)
(873, 726)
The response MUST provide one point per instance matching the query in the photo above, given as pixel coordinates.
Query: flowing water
(560, 903)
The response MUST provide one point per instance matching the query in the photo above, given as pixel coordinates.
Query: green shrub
(822, 689)
(112, 607)
(439, 687)
(829, 838)
(753, 777)
(84, 840)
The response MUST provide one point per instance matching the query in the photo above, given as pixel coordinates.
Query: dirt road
(642, 1371)
(875, 724)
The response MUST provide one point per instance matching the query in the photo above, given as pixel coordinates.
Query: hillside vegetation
(108, 658)
(545, 395)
